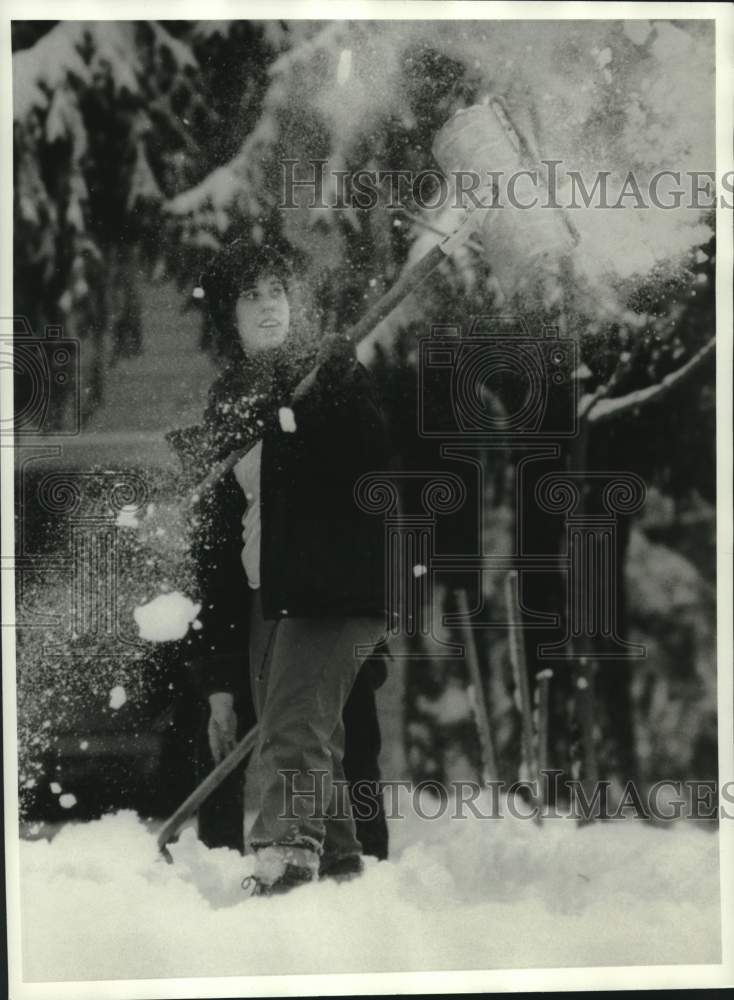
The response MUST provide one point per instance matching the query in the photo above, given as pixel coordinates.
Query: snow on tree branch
(606, 409)
(224, 186)
(324, 39)
(40, 70)
(180, 51)
(58, 58)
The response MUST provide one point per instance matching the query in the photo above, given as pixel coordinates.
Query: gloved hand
(336, 357)
(222, 729)
(336, 351)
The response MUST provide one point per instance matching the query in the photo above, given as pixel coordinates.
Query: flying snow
(167, 617)
(118, 697)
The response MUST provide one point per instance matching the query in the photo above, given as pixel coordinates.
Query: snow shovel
(202, 792)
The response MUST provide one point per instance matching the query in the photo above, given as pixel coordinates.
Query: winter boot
(341, 867)
(280, 868)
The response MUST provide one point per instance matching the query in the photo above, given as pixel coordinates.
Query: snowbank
(457, 894)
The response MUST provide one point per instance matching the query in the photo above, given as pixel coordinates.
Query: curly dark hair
(233, 269)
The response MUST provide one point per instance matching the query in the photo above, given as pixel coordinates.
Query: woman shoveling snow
(314, 566)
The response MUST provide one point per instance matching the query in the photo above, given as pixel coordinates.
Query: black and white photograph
(366, 445)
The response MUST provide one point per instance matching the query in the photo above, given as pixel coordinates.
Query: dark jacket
(320, 554)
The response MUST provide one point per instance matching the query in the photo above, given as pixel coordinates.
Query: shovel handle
(406, 283)
(202, 792)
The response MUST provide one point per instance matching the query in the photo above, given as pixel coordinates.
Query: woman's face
(263, 314)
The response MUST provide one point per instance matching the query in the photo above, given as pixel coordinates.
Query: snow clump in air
(166, 618)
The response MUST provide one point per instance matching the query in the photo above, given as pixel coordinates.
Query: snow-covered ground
(97, 903)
